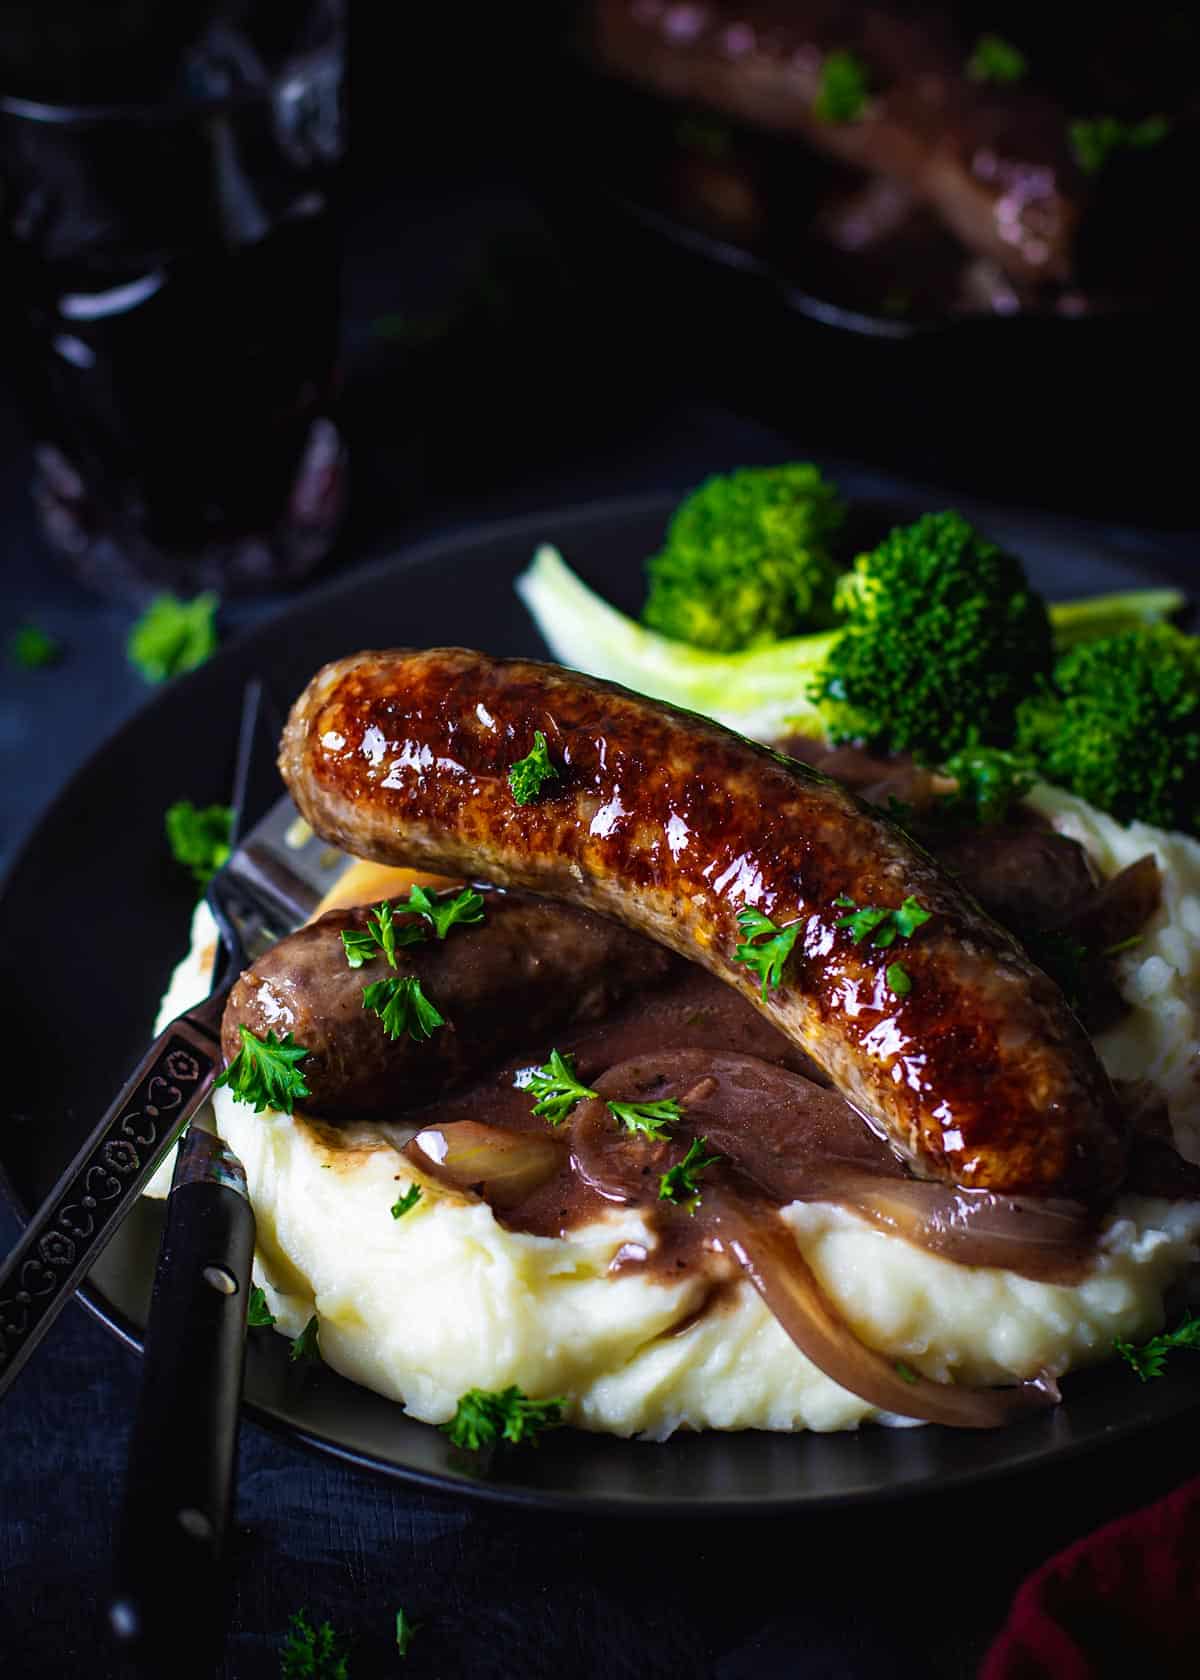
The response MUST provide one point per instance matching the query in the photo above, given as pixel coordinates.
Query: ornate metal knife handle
(66, 1235)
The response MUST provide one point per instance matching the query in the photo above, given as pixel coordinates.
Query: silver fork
(268, 887)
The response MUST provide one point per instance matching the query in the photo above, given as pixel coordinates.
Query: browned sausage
(993, 164)
(528, 968)
(666, 821)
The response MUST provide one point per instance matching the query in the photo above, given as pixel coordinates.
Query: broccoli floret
(990, 782)
(943, 637)
(761, 692)
(747, 560)
(1118, 723)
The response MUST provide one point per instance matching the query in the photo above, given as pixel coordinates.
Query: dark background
(510, 344)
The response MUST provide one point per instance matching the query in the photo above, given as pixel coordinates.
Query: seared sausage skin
(528, 968)
(671, 824)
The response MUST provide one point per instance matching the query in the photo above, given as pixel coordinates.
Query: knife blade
(179, 1484)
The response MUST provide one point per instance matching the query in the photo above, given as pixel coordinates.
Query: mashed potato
(445, 1299)
(1159, 1039)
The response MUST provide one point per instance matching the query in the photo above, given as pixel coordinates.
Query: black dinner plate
(93, 915)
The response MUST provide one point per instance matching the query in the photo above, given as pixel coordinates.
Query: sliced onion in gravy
(501, 1166)
(1048, 1240)
(766, 1251)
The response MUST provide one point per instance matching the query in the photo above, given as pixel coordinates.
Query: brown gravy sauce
(783, 1134)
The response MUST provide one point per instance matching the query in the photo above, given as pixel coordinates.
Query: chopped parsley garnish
(1149, 1359)
(766, 959)
(173, 636)
(258, 1314)
(360, 946)
(993, 59)
(406, 1631)
(266, 1072)
(652, 1119)
(556, 1088)
(528, 775)
(484, 1417)
(407, 1202)
(199, 837)
(403, 1007)
(884, 926)
(842, 95)
(899, 980)
(380, 934)
(678, 1184)
(906, 1372)
(30, 648)
(1095, 139)
(311, 1653)
(307, 1345)
(442, 910)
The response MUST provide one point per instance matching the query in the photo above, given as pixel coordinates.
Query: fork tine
(255, 787)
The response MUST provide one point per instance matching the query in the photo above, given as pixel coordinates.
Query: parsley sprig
(258, 1314)
(311, 1653)
(529, 775)
(406, 1632)
(173, 636)
(30, 648)
(484, 1417)
(555, 1086)
(1094, 140)
(399, 1000)
(407, 1202)
(766, 948)
(199, 837)
(678, 1184)
(1150, 1358)
(403, 1007)
(842, 94)
(380, 936)
(884, 926)
(995, 60)
(444, 910)
(899, 979)
(266, 1072)
(652, 1119)
(558, 1089)
(306, 1347)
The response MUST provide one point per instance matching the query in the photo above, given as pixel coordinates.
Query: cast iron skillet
(94, 914)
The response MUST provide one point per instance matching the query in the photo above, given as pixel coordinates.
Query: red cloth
(1124, 1601)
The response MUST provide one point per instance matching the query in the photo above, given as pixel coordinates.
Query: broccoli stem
(762, 691)
(1108, 615)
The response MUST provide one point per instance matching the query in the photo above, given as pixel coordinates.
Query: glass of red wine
(169, 238)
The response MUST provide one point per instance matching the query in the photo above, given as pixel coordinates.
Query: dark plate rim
(532, 527)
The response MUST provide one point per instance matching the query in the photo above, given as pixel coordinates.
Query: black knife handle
(171, 1537)
(66, 1235)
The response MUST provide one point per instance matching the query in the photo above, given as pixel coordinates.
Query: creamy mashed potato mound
(444, 1299)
